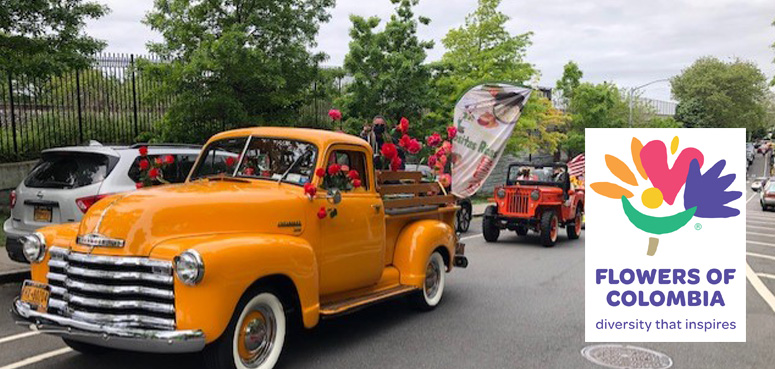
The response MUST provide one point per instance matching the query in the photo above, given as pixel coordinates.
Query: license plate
(36, 294)
(43, 214)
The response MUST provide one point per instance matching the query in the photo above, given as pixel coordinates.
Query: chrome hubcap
(432, 280)
(257, 335)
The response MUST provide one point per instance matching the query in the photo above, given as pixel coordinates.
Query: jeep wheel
(433, 286)
(463, 218)
(574, 229)
(521, 230)
(490, 230)
(548, 228)
(254, 338)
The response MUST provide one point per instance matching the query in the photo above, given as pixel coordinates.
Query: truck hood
(146, 217)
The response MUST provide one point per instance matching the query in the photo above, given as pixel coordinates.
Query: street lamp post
(632, 94)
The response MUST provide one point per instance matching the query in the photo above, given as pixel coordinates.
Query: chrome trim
(41, 240)
(119, 276)
(142, 340)
(56, 277)
(200, 269)
(118, 290)
(63, 254)
(99, 240)
(121, 304)
(113, 320)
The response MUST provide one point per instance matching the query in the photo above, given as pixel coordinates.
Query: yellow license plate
(36, 294)
(42, 214)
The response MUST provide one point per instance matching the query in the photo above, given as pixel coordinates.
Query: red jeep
(538, 198)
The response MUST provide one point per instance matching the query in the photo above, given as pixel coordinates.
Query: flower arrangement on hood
(152, 168)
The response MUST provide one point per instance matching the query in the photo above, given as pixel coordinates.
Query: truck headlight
(34, 247)
(501, 193)
(535, 195)
(189, 267)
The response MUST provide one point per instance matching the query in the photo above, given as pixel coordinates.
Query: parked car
(67, 181)
(464, 215)
(538, 198)
(767, 194)
(228, 261)
(757, 183)
(750, 152)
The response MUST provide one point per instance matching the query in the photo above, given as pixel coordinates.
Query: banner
(485, 117)
(665, 250)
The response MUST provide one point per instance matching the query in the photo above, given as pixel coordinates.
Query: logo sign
(485, 117)
(665, 235)
(98, 240)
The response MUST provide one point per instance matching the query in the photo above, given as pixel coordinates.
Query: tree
(388, 67)
(571, 79)
(594, 106)
(46, 36)
(234, 63)
(712, 93)
(540, 128)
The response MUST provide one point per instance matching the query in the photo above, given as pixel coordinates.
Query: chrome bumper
(140, 340)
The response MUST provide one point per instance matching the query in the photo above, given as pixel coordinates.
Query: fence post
(134, 92)
(78, 102)
(13, 114)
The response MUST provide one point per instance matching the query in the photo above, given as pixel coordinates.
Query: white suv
(68, 180)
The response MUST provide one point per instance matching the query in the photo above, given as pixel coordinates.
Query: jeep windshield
(265, 158)
(536, 175)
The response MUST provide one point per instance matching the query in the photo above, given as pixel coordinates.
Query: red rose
(144, 164)
(344, 168)
(353, 174)
(432, 160)
(356, 183)
(395, 163)
(139, 185)
(451, 132)
(310, 189)
(157, 161)
(250, 171)
(230, 161)
(169, 159)
(335, 114)
(403, 125)
(404, 141)
(333, 168)
(153, 173)
(445, 180)
(447, 146)
(143, 150)
(322, 212)
(414, 146)
(320, 172)
(433, 140)
(389, 151)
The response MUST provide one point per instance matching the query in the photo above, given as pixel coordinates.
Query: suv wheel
(549, 228)
(574, 228)
(490, 230)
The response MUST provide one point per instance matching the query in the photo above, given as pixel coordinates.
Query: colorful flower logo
(705, 195)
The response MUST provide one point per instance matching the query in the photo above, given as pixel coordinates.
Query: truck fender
(232, 264)
(415, 244)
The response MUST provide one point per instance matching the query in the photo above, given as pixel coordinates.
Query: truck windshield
(259, 157)
(527, 174)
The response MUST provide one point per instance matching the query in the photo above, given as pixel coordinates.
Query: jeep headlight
(34, 247)
(501, 193)
(189, 267)
(535, 195)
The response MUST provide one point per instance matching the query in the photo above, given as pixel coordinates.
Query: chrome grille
(127, 292)
(517, 201)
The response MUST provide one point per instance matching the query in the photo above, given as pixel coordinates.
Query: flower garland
(152, 169)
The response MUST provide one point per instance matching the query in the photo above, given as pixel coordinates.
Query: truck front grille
(126, 292)
(517, 201)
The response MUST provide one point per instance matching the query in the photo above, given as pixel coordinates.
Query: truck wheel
(490, 231)
(521, 230)
(548, 228)
(463, 218)
(433, 287)
(86, 348)
(574, 229)
(254, 338)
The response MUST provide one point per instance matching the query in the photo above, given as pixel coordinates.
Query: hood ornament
(98, 240)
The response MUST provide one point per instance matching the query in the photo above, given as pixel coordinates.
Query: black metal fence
(108, 102)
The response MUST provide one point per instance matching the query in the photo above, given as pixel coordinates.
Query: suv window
(63, 169)
(174, 173)
(356, 160)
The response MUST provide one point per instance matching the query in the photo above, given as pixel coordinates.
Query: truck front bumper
(140, 340)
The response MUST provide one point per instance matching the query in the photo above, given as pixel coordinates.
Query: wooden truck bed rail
(405, 192)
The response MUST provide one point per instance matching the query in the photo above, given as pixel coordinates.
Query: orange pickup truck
(227, 261)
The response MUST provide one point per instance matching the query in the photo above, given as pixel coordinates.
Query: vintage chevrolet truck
(227, 262)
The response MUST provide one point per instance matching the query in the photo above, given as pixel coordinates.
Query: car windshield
(542, 174)
(264, 158)
(771, 187)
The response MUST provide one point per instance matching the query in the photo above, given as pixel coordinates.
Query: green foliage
(388, 67)
(594, 106)
(571, 79)
(712, 93)
(40, 37)
(234, 63)
(541, 127)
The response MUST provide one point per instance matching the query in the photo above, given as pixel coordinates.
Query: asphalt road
(518, 305)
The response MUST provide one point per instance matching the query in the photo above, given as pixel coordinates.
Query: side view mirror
(334, 196)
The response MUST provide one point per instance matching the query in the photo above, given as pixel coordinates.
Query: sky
(627, 42)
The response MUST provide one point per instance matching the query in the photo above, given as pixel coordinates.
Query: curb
(14, 276)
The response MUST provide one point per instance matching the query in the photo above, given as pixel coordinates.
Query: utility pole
(632, 94)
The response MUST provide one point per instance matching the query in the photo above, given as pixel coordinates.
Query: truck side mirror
(334, 196)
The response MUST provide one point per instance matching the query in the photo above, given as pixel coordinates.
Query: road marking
(749, 199)
(759, 222)
(37, 358)
(765, 275)
(462, 239)
(753, 254)
(758, 285)
(765, 228)
(761, 243)
(18, 336)
(760, 234)
(760, 217)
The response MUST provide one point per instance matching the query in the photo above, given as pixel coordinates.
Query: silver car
(767, 194)
(68, 180)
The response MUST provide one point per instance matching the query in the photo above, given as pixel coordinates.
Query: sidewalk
(11, 271)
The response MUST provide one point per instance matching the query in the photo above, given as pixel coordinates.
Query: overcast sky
(628, 42)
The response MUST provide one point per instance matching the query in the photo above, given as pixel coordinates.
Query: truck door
(352, 247)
